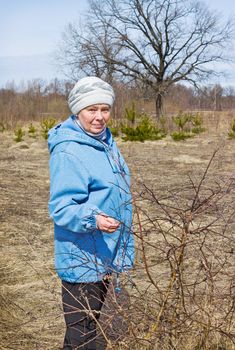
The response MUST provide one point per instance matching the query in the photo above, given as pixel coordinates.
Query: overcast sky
(31, 30)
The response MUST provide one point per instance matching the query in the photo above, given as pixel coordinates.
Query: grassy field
(30, 291)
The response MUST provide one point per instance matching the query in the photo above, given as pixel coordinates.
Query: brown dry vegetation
(30, 291)
(37, 99)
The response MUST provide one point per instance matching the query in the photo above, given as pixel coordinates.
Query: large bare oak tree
(154, 43)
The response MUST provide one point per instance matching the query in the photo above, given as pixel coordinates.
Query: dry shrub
(181, 294)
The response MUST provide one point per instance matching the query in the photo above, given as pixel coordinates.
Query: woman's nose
(99, 115)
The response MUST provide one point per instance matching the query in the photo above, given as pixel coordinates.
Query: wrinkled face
(94, 118)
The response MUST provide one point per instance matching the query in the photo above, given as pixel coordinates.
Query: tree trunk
(159, 106)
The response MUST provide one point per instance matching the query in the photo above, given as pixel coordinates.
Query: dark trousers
(82, 303)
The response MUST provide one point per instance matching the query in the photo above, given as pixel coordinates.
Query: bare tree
(217, 97)
(229, 98)
(151, 42)
(89, 52)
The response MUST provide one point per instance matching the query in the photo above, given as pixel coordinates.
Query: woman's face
(94, 118)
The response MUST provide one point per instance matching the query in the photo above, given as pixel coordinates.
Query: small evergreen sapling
(19, 134)
(32, 130)
(2, 127)
(145, 130)
(231, 133)
(46, 125)
(188, 126)
(197, 123)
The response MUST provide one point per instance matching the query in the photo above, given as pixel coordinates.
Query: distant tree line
(38, 99)
(33, 100)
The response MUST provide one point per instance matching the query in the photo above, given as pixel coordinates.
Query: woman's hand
(106, 223)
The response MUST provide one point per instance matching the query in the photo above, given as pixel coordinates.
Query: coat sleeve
(125, 255)
(69, 204)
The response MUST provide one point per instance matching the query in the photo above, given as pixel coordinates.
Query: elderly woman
(90, 204)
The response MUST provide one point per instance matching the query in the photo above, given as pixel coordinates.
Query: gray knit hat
(89, 91)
